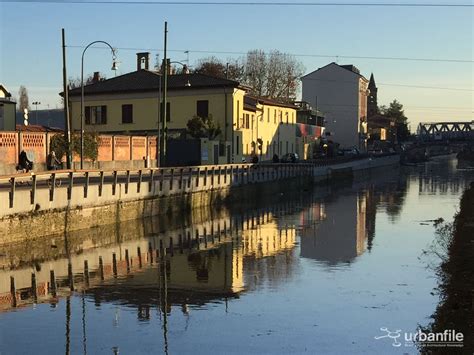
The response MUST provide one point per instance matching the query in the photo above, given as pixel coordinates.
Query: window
(237, 145)
(127, 113)
(268, 115)
(247, 119)
(286, 114)
(202, 108)
(287, 147)
(95, 115)
(253, 117)
(168, 111)
(280, 115)
(275, 116)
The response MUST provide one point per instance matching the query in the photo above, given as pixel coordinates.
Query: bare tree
(90, 79)
(275, 75)
(233, 69)
(256, 71)
(23, 101)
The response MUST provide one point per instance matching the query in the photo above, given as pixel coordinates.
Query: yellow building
(267, 127)
(129, 104)
(7, 110)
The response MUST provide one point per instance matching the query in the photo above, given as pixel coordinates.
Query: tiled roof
(37, 128)
(267, 101)
(146, 80)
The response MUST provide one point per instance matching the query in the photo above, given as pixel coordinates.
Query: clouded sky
(30, 44)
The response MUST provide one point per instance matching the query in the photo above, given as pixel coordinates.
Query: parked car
(290, 158)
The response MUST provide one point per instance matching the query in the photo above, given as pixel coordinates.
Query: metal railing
(158, 181)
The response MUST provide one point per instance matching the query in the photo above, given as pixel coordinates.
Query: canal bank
(34, 212)
(456, 280)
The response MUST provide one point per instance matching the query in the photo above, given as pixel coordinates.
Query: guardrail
(139, 183)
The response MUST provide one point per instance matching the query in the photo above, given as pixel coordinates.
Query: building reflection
(341, 226)
(340, 233)
(204, 259)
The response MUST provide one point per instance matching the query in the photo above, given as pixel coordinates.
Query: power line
(427, 108)
(425, 87)
(400, 85)
(326, 80)
(295, 55)
(247, 3)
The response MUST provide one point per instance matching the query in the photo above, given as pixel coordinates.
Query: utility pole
(164, 130)
(67, 126)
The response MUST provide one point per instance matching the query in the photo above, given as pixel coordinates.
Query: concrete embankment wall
(353, 168)
(86, 200)
(31, 213)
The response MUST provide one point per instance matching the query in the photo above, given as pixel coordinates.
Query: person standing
(52, 163)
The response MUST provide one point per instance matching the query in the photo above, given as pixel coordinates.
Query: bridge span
(432, 131)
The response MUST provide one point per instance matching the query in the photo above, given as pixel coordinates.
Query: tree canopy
(203, 127)
(88, 79)
(395, 111)
(233, 69)
(275, 75)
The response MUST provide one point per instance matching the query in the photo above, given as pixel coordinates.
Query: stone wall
(114, 152)
(173, 192)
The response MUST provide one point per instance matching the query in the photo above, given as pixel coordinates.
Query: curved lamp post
(114, 67)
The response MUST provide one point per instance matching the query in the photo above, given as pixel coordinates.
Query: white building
(340, 91)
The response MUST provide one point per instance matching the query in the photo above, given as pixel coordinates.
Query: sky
(30, 44)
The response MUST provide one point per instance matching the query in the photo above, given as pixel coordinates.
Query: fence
(110, 148)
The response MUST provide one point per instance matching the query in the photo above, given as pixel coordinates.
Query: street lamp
(36, 103)
(114, 67)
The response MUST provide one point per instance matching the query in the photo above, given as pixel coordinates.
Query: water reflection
(343, 226)
(167, 270)
(341, 234)
(204, 260)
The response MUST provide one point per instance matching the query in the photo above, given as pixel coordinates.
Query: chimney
(143, 60)
(96, 77)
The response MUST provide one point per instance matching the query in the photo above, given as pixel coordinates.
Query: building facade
(7, 110)
(130, 104)
(340, 91)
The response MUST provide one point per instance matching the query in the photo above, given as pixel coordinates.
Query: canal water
(320, 271)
